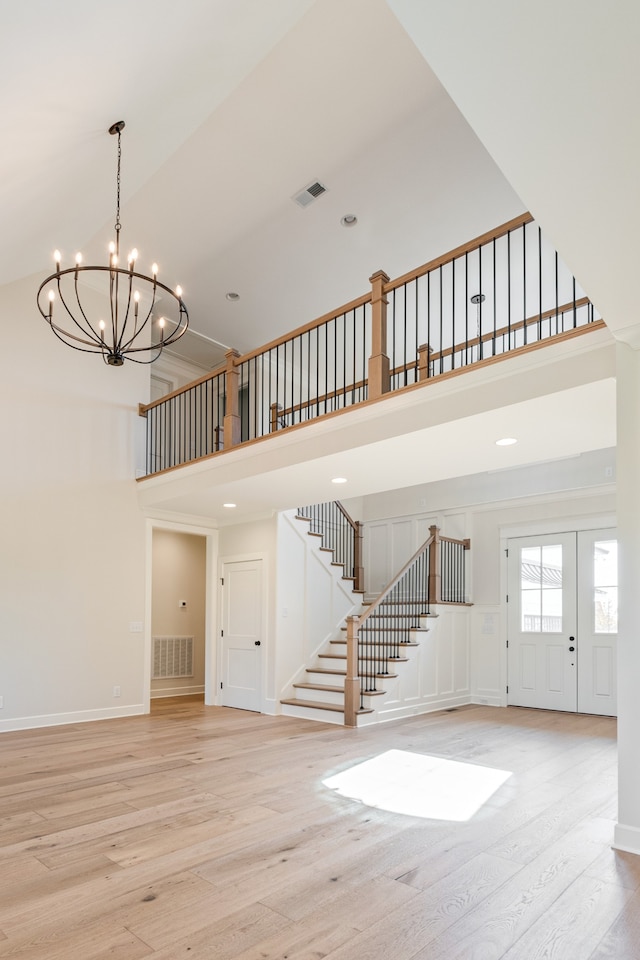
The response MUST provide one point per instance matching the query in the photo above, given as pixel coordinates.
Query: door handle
(571, 649)
(256, 643)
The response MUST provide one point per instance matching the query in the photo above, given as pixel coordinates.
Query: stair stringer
(436, 676)
(313, 598)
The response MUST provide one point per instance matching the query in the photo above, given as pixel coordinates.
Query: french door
(562, 621)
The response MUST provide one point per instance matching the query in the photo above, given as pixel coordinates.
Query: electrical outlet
(116, 690)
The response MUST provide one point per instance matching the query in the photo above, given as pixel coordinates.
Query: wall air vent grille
(310, 193)
(172, 657)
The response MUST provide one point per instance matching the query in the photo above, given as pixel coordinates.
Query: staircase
(319, 694)
(389, 661)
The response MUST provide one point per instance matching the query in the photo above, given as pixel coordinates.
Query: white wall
(179, 574)
(73, 540)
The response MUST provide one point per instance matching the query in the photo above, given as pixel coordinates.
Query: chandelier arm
(56, 277)
(114, 273)
(138, 330)
(121, 331)
(89, 327)
(65, 337)
(182, 325)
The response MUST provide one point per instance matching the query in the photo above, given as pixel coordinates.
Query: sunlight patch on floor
(419, 786)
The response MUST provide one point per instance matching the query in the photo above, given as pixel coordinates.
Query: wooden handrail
(143, 407)
(510, 328)
(358, 537)
(326, 318)
(376, 603)
(460, 251)
(494, 334)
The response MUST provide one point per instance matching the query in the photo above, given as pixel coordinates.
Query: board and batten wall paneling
(388, 544)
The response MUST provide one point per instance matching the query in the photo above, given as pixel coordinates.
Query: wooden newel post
(358, 569)
(378, 371)
(274, 416)
(434, 586)
(232, 427)
(352, 680)
(424, 361)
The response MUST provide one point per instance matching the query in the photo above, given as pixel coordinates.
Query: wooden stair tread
(315, 704)
(333, 689)
(381, 643)
(337, 673)
(318, 705)
(340, 656)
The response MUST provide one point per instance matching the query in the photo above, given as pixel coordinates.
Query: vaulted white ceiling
(232, 107)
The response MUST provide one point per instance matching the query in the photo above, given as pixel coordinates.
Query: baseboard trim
(626, 839)
(486, 701)
(161, 692)
(414, 709)
(80, 716)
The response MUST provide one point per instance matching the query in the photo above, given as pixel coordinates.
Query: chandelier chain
(118, 224)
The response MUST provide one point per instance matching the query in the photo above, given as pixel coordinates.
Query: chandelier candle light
(127, 326)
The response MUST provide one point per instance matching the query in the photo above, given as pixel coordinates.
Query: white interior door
(542, 622)
(597, 621)
(563, 621)
(242, 635)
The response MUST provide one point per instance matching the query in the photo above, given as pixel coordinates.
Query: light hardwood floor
(203, 832)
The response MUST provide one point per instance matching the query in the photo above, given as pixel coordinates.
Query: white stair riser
(312, 677)
(324, 696)
(333, 660)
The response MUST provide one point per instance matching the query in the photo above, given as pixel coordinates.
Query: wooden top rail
(460, 251)
(374, 606)
(143, 407)
(352, 523)
(326, 318)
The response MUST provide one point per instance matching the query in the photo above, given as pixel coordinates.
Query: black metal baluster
(524, 282)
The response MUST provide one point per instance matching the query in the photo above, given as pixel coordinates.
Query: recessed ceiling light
(229, 506)
(506, 442)
(349, 220)
(339, 480)
(232, 296)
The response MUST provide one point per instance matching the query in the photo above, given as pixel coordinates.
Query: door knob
(571, 649)
(257, 643)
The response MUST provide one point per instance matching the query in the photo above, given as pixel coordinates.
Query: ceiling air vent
(309, 194)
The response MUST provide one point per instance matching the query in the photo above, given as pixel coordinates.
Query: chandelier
(113, 309)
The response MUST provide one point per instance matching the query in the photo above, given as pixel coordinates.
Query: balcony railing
(506, 291)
